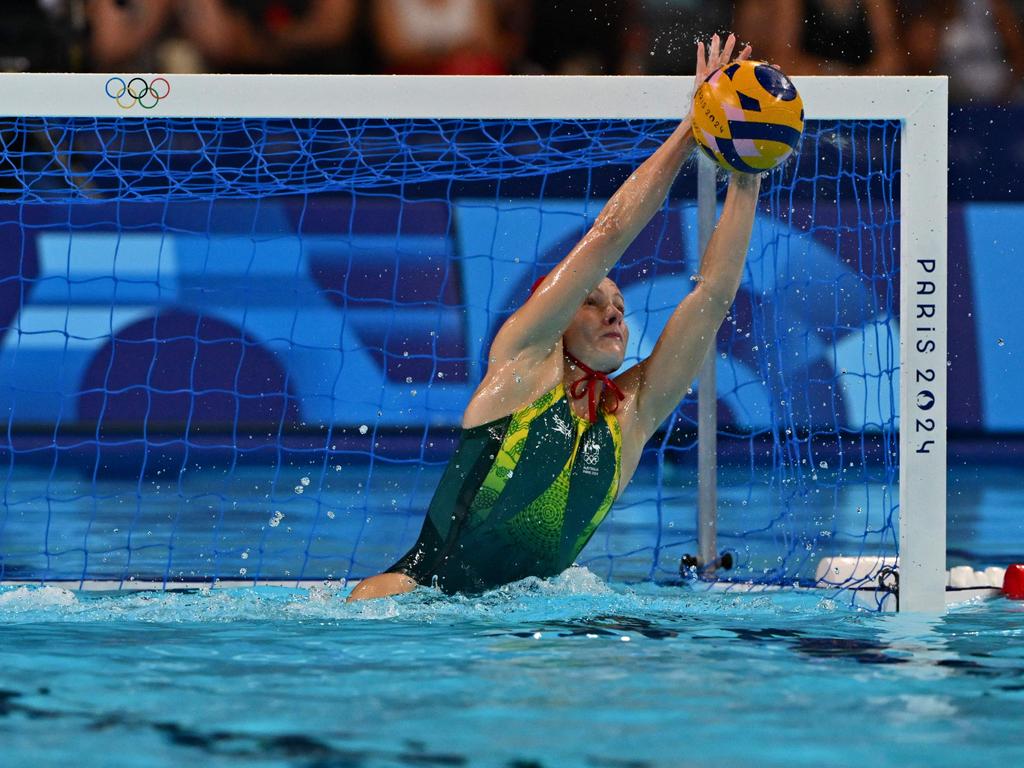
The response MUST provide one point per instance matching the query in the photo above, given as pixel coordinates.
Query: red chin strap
(588, 386)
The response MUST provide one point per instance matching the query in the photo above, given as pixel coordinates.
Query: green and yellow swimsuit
(521, 497)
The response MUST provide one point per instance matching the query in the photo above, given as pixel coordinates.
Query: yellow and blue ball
(747, 116)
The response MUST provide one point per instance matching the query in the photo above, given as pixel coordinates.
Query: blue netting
(242, 347)
(168, 159)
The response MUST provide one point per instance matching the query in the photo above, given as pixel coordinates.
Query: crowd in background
(978, 43)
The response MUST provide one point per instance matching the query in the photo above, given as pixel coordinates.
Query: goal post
(918, 105)
(921, 105)
(923, 354)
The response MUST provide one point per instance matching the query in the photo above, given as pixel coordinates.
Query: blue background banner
(371, 310)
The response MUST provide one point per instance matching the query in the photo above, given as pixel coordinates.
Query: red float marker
(1013, 582)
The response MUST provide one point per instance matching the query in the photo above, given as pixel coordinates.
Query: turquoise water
(565, 672)
(572, 671)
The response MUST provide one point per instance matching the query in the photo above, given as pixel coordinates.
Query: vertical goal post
(918, 103)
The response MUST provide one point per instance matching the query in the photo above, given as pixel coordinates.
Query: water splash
(577, 594)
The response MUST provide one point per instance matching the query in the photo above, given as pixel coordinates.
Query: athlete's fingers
(730, 43)
(716, 50)
(745, 54)
(701, 60)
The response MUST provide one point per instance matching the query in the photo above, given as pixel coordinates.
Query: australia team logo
(145, 93)
(591, 456)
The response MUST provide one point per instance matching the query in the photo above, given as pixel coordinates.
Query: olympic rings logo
(137, 91)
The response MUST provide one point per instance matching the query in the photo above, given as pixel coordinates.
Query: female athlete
(549, 439)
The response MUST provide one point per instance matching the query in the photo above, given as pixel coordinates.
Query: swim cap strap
(588, 386)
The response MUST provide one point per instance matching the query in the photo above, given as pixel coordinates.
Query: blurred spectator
(125, 35)
(287, 36)
(978, 43)
(514, 28)
(222, 35)
(40, 36)
(578, 37)
(752, 23)
(662, 36)
(439, 37)
(823, 37)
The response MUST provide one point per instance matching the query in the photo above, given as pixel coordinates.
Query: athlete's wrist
(746, 181)
(685, 131)
(682, 139)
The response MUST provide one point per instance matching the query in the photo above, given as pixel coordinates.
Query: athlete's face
(598, 334)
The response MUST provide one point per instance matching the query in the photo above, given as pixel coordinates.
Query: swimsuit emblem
(591, 456)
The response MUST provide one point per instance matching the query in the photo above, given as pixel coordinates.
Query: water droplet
(363, 429)
(330, 514)
(1001, 342)
(241, 571)
(245, 555)
(823, 464)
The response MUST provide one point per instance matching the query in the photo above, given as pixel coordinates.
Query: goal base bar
(869, 598)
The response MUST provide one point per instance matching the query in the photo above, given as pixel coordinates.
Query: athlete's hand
(716, 56)
(707, 62)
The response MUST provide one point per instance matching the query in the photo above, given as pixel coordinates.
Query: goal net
(237, 347)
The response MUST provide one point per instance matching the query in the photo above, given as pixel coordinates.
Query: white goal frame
(919, 103)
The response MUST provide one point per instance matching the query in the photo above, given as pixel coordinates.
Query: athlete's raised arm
(526, 352)
(542, 320)
(661, 381)
(657, 384)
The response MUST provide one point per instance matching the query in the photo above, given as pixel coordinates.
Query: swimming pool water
(572, 671)
(565, 672)
(353, 521)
